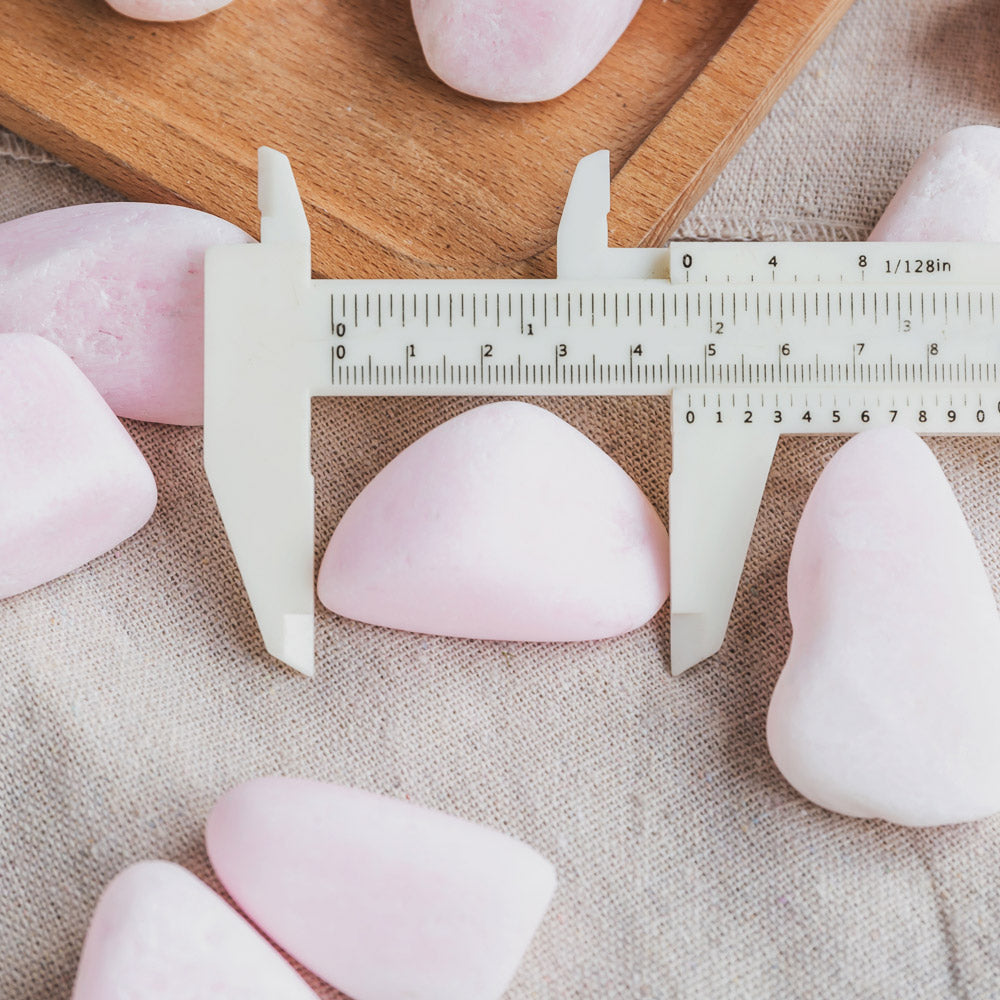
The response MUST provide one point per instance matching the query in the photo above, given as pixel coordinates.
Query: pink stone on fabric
(518, 50)
(381, 898)
(888, 704)
(503, 523)
(72, 482)
(159, 932)
(120, 288)
(166, 10)
(951, 193)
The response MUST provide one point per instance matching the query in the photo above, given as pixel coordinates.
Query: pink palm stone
(72, 482)
(518, 50)
(158, 933)
(503, 523)
(120, 288)
(383, 899)
(888, 704)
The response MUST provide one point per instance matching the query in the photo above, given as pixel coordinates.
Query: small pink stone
(383, 899)
(158, 932)
(518, 50)
(951, 193)
(72, 482)
(166, 10)
(503, 523)
(120, 288)
(888, 704)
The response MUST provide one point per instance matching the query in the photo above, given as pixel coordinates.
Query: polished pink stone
(158, 933)
(518, 50)
(952, 191)
(888, 704)
(72, 482)
(503, 523)
(166, 10)
(381, 898)
(120, 288)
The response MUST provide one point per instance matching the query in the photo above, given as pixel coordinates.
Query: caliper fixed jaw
(257, 414)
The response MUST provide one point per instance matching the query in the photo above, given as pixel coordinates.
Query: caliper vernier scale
(751, 340)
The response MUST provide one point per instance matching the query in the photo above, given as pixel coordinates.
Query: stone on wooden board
(518, 50)
(166, 10)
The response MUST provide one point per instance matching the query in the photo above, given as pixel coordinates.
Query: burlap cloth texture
(135, 691)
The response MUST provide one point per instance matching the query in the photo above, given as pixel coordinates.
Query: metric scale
(751, 340)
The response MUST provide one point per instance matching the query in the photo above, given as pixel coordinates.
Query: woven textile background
(134, 691)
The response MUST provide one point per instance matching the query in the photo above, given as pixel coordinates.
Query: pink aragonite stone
(166, 10)
(381, 898)
(72, 482)
(120, 288)
(888, 704)
(952, 191)
(503, 523)
(159, 932)
(518, 50)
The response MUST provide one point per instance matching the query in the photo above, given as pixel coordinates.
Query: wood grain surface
(401, 176)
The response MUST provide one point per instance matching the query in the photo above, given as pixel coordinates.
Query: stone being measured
(72, 482)
(381, 898)
(166, 10)
(888, 704)
(120, 288)
(503, 523)
(158, 931)
(951, 193)
(518, 50)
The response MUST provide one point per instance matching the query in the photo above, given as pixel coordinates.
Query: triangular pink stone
(503, 523)
(158, 931)
(383, 899)
(888, 704)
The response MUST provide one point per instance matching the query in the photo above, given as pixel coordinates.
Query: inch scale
(751, 340)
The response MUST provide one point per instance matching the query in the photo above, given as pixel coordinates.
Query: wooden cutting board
(401, 176)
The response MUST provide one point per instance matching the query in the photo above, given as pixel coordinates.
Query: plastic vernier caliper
(750, 340)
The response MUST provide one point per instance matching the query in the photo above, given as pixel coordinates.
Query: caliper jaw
(257, 413)
(715, 491)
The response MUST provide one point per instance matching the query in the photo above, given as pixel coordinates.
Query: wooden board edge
(664, 178)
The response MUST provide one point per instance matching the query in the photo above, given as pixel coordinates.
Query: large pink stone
(503, 523)
(888, 704)
(166, 10)
(72, 482)
(518, 50)
(120, 288)
(383, 899)
(158, 932)
(952, 191)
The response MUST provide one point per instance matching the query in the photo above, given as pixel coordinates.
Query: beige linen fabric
(135, 691)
